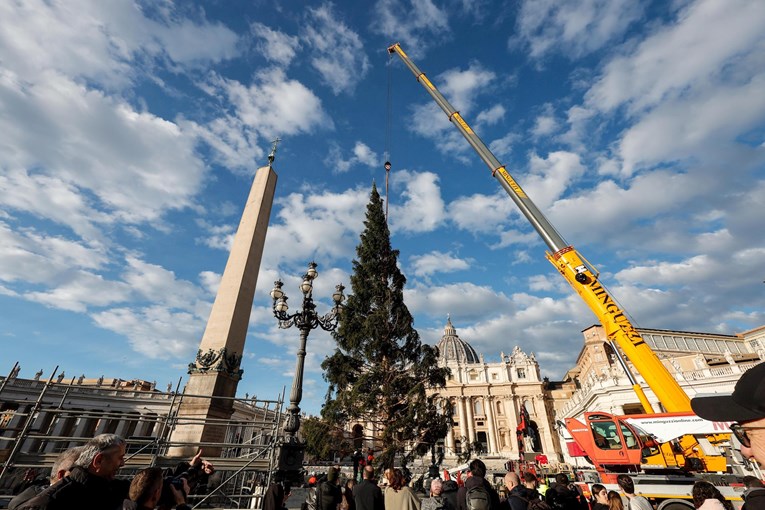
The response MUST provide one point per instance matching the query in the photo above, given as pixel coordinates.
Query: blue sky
(130, 132)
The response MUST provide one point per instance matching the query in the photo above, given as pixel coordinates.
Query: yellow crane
(583, 278)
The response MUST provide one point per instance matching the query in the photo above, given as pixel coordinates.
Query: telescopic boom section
(571, 265)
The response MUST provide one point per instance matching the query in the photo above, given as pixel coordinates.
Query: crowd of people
(85, 478)
(524, 491)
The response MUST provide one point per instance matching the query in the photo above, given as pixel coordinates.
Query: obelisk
(216, 370)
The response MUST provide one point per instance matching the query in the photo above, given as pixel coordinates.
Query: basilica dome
(452, 348)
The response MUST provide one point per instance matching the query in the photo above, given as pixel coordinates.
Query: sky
(130, 132)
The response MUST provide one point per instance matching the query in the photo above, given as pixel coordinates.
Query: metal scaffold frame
(41, 418)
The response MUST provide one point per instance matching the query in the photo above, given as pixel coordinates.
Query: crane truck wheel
(675, 504)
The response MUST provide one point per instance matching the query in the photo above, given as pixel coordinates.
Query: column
(470, 420)
(60, 428)
(491, 425)
(463, 419)
(512, 422)
(450, 441)
(40, 425)
(82, 430)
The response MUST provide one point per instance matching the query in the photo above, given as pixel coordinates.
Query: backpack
(477, 498)
(535, 504)
(564, 499)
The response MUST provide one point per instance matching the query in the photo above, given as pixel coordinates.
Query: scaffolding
(39, 419)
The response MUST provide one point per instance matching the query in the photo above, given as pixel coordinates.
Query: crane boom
(578, 273)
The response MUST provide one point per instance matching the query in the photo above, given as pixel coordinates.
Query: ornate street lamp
(305, 319)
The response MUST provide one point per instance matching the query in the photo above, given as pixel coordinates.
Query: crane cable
(388, 130)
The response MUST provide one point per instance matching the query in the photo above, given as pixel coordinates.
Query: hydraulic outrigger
(584, 279)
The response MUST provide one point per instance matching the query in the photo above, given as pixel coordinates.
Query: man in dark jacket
(61, 467)
(477, 478)
(754, 495)
(90, 485)
(449, 490)
(329, 495)
(560, 497)
(531, 482)
(517, 494)
(367, 494)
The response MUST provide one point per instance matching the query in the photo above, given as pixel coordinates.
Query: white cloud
(572, 27)
(315, 225)
(154, 331)
(210, 281)
(550, 178)
(135, 164)
(437, 262)
(79, 290)
(103, 45)
(220, 237)
(503, 147)
(338, 51)
(480, 213)
(692, 127)
(683, 56)
(365, 155)
(540, 325)
(461, 88)
(545, 123)
(416, 24)
(276, 46)
(467, 299)
(361, 154)
(420, 207)
(491, 115)
(156, 284)
(273, 105)
(34, 257)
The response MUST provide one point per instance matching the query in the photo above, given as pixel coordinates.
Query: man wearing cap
(746, 406)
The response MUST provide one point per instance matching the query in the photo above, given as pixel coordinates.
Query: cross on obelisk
(216, 370)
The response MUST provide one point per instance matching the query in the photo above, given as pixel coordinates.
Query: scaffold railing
(39, 419)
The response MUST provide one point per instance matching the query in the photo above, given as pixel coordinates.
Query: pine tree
(380, 372)
(323, 440)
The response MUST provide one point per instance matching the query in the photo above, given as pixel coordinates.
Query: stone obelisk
(216, 370)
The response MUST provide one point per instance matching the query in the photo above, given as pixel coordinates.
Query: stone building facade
(487, 398)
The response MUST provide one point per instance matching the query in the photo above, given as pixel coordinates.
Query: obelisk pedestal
(216, 371)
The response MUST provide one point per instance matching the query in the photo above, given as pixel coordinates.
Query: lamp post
(305, 319)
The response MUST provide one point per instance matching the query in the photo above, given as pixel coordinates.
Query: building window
(494, 376)
(500, 408)
(473, 375)
(521, 372)
(478, 407)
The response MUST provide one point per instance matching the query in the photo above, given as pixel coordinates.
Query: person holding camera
(150, 489)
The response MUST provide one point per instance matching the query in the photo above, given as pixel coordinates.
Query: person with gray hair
(90, 484)
(60, 469)
(436, 501)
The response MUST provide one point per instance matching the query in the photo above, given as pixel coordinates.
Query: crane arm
(571, 265)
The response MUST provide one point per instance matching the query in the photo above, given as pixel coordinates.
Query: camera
(167, 497)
